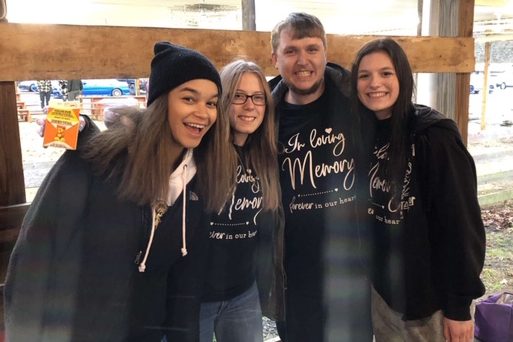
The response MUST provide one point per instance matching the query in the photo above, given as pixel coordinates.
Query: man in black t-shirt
(327, 297)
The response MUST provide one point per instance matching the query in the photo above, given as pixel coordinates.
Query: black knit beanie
(173, 65)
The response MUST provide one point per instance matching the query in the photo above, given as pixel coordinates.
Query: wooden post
(452, 90)
(3, 10)
(484, 99)
(137, 87)
(248, 15)
(441, 23)
(465, 28)
(12, 184)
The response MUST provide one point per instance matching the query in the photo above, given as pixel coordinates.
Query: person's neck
(303, 99)
(239, 139)
(178, 155)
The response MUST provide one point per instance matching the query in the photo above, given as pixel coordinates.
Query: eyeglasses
(241, 98)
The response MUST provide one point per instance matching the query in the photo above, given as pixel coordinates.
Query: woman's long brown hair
(138, 150)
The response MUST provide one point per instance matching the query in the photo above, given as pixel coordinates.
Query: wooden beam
(495, 37)
(491, 3)
(426, 54)
(465, 28)
(12, 184)
(46, 52)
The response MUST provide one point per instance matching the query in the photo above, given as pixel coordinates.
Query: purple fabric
(494, 318)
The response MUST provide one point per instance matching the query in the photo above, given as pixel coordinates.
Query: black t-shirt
(317, 175)
(233, 237)
(385, 215)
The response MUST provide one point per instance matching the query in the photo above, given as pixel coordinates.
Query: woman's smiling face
(378, 85)
(192, 110)
(245, 118)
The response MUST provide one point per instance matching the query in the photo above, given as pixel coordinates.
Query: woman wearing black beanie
(111, 247)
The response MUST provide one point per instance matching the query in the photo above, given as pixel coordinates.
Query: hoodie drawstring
(157, 211)
(184, 182)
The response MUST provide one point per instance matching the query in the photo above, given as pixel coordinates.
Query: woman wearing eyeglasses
(245, 235)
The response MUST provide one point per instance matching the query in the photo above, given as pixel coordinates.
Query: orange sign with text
(61, 126)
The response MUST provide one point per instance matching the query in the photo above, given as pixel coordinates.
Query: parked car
(107, 87)
(476, 83)
(27, 86)
(32, 86)
(131, 84)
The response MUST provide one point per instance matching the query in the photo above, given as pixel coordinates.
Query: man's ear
(274, 60)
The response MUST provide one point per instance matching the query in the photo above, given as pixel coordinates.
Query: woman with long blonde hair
(246, 233)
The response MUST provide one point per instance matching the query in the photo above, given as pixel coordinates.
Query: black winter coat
(443, 238)
(73, 275)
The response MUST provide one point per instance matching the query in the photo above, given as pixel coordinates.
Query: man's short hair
(302, 25)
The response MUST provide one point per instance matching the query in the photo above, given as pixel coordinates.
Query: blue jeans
(236, 320)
